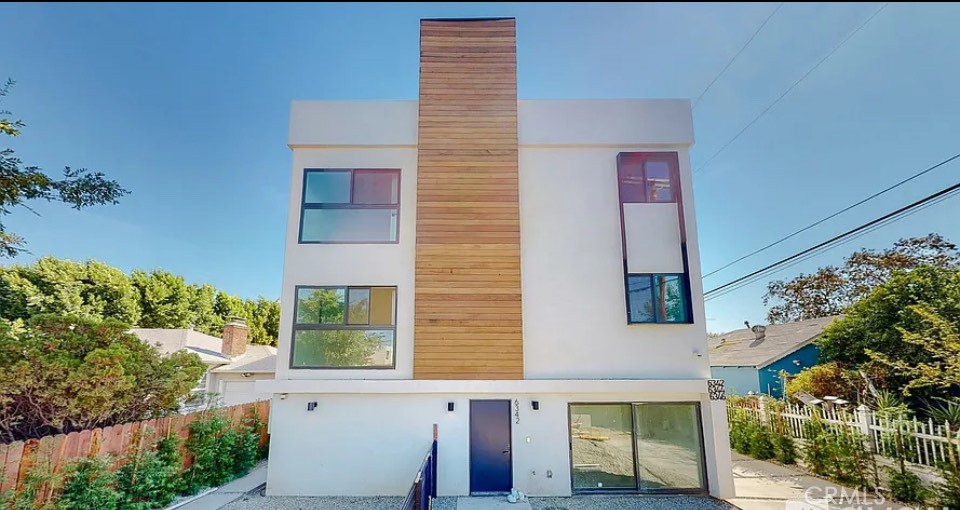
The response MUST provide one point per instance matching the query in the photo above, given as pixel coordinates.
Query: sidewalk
(229, 492)
(763, 485)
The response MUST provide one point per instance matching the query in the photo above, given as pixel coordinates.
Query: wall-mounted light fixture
(283, 396)
(535, 405)
(311, 406)
(246, 374)
(450, 406)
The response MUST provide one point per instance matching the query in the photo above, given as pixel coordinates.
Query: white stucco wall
(370, 444)
(235, 389)
(574, 304)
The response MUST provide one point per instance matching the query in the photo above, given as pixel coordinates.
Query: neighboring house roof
(169, 341)
(741, 348)
(258, 359)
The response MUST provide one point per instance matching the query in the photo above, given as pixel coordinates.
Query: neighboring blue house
(751, 359)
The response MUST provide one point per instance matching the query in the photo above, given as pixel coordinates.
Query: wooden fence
(18, 457)
(924, 442)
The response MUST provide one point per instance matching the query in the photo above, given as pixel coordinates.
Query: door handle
(506, 451)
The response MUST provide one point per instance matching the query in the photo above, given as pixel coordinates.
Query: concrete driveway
(766, 486)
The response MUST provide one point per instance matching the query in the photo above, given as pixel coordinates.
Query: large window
(344, 327)
(646, 447)
(350, 206)
(657, 298)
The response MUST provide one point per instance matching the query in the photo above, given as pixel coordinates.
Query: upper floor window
(344, 327)
(648, 177)
(350, 206)
(657, 298)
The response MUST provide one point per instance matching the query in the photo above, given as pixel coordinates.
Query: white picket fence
(925, 443)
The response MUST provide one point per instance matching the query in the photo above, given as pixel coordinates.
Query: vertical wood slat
(468, 308)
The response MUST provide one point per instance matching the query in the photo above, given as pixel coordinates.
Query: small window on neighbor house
(647, 177)
(350, 206)
(344, 327)
(657, 298)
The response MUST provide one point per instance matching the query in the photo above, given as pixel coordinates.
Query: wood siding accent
(468, 314)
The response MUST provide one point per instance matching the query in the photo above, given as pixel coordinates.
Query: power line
(944, 193)
(839, 243)
(732, 60)
(789, 89)
(834, 215)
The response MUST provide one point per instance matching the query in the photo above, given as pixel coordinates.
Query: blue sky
(187, 105)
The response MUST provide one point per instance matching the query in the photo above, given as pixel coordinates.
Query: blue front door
(490, 457)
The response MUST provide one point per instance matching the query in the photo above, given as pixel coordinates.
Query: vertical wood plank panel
(468, 308)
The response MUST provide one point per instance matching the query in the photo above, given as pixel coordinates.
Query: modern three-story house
(524, 274)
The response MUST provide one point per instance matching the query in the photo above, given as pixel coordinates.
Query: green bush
(761, 445)
(220, 453)
(247, 449)
(88, 484)
(906, 487)
(39, 489)
(785, 450)
(948, 493)
(150, 477)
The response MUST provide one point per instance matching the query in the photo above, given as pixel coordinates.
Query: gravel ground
(450, 503)
(630, 503)
(256, 502)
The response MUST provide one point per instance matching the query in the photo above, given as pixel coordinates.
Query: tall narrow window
(654, 238)
(344, 327)
(350, 206)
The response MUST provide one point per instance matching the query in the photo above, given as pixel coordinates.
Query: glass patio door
(655, 447)
(669, 447)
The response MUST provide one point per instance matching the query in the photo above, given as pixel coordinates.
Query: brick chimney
(234, 338)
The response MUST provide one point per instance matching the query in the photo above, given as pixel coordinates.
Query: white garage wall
(368, 445)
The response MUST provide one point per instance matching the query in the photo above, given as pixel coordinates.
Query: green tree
(156, 299)
(873, 329)
(831, 290)
(20, 184)
(939, 341)
(92, 290)
(60, 374)
(263, 319)
(165, 299)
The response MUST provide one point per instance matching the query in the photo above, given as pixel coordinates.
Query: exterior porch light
(450, 407)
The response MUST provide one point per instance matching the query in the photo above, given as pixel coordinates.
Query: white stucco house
(233, 364)
(524, 274)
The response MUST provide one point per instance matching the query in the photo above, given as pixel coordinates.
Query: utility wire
(899, 212)
(732, 60)
(834, 215)
(789, 89)
(839, 243)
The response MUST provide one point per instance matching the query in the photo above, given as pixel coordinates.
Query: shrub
(220, 453)
(88, 484)
(785, 451)
(40, 485)
(827, 379)
(761, 446)
(906, 487)
(948, 493)
(210, 443)
(150, 477)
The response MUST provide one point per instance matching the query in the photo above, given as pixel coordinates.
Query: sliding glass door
(646, 447)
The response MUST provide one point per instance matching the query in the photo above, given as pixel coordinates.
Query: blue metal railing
(424, 488)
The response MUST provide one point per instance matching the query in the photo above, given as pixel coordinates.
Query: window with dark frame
(648, 177)
(653, 177)
(344, 327)
(657, 299)
(350, 205)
